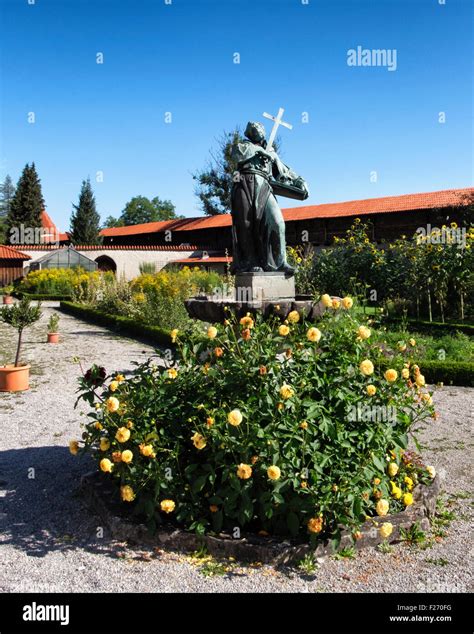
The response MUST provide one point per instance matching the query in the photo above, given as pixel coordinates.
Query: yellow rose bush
(263, 435)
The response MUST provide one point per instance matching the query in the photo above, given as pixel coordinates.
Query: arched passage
(105, 263)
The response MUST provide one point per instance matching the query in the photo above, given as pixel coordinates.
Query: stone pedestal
(259, 287)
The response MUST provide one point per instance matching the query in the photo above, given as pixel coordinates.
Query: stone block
(257, 287)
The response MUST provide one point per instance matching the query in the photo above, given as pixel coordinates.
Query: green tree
(140, 210)
(7, 191)
(27, 202)
(214, 182)
(85, 220)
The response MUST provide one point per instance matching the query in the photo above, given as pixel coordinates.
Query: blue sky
(178, 58)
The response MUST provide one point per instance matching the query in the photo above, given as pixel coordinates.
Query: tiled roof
(387, 204)
(148, 227)
(109, 247)
(11, 253)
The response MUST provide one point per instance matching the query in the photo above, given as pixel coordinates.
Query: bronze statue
(258, 228)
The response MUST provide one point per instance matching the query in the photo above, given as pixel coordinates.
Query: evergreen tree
(7, 191)
(27, 203)
(85, 221)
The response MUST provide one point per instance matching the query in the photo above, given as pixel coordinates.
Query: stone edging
(98, 494)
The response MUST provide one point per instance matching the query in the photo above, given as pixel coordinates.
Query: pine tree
(7, 191)
(85, 221)
(27, 203)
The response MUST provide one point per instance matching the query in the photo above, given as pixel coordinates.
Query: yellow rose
(420, 380)
(364, 332)
(213, 508)
(391, 375)
(326, 299)
(347, 302)
(147, 451)
(392, 469)
(127, 456)
(402, 346)
(431, 471)
(126, 493)
(371, 389)
(234, 417)
(412, 342)
(427, 398)
(120, 378)
(377, 481)
(244, 471)
(167, 506)
(105, 465)
(304, 425)
(172, 373)
(294, 317)
(104, 444)
(274, 472)
(123, 434)
(313, 335)
(212, 332)
(396, 492)
(113, 404)
(366, 367)
(98, 425)
(174, 335)
(286, 391)
(408, 499)
(283, 330)
(409, 482)
(405, 373)
(335, 303)
(113, 386)
(382, 507)
(315, 524)
(74, 446)
(199, 441)
(386, 530)
(247, 322)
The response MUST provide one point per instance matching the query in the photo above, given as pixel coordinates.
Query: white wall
(127, 260)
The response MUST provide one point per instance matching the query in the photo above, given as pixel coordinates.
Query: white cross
(278, 122)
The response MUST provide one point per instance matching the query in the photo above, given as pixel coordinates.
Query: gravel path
(49, 541)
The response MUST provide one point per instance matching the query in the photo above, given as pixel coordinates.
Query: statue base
(260, 287)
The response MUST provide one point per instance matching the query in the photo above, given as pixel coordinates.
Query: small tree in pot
(14, 378)
(53, 335)
(7, 297)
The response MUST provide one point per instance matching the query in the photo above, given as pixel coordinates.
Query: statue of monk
(258, 228)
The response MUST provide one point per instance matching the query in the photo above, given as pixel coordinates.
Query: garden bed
(123, 325)
(102, 498)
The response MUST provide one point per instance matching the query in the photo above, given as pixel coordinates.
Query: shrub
(20, 316)
(56, 281)
(262, 426)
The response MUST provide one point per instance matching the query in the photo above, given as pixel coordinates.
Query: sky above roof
(358, 131)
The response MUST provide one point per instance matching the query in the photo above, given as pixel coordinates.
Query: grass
(457, 347)
(346, 553)
(438, 562)
(385, 548)
(414, 535)
(308, 564)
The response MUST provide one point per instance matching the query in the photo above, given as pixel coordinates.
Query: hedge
(437, 327)
(446, 372)
(125, 325)
(41, 297)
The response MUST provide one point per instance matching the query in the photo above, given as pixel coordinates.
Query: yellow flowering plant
(271, 434)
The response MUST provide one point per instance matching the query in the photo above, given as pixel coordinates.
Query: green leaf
(293, 523)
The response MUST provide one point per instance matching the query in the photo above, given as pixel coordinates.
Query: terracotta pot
(14, 379)
(7, 299)
(53, 337)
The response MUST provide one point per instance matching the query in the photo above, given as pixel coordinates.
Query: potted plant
(15, 378)
(53, 335)
(7, 297)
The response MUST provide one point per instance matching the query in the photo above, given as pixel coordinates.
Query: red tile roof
(109, 247)
(387, 204)
(11, 253)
